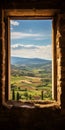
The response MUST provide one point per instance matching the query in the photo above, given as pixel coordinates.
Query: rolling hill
(28, 61)
(29, 76)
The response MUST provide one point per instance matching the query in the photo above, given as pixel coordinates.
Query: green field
(31, 82)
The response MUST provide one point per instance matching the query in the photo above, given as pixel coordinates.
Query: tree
(13, 94)
(42, 95)
(18, 96)
(30, 96)
(26, 95)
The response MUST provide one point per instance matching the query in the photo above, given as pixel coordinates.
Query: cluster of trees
(17, 96)
(22, 73)
(44, 86)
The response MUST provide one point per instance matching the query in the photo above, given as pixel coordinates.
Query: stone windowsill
(32, 104)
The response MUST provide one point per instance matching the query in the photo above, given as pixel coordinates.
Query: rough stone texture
(62, 58)
(23, 118)
(37, 118)
(33, 4)
(60, 41)
(2, 62)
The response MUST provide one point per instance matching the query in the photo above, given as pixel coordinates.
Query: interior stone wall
(37, 118)
(62, 58)
(2, 58)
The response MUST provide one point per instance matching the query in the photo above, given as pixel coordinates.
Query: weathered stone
(37, 118)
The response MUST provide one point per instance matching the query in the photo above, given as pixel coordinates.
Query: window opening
(31, 59)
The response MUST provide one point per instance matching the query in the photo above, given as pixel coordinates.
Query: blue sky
(31, 38)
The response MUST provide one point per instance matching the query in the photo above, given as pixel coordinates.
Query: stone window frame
(30, 13)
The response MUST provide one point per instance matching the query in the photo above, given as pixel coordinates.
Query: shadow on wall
(23, 118)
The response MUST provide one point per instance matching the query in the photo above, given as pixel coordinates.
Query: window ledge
(32, 104)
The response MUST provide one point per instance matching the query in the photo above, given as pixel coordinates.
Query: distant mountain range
(28, 61)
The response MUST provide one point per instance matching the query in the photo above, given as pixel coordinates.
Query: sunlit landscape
(31, 59)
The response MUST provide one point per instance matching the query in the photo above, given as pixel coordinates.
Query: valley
(31, 79)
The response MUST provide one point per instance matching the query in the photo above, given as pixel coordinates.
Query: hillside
(31, 77)
(28, 61)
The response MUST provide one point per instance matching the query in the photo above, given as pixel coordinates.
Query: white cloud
(37, 36)
(14, 23)
(20, 35)
(31, 51)
(43, 37)
(22, 46)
